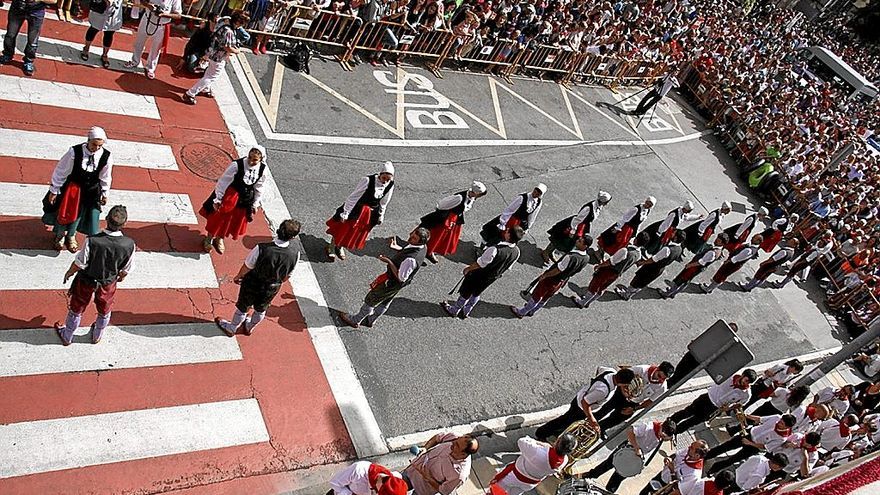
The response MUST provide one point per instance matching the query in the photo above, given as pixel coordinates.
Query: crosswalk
(207, 401)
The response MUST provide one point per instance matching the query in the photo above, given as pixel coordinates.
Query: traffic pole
(835, 360)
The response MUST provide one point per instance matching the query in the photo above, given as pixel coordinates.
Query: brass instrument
(741, 417)
(671, 487)
(586, 436)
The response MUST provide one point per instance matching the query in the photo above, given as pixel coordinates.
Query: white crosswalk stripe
(53, 16)
(68, 51)
(25, 200)
(67, 443)
(50, 146)
(26, 269)
(76, 97)
(35, 351)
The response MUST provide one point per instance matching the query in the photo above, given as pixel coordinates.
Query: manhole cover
(205, 160)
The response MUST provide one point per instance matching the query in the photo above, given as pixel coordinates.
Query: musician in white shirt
(721, 396)
(686, 465)
(644, 439)
(769, 435)
(537, 460)
(759, 469)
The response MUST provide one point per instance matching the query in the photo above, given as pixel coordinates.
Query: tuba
(586, 436)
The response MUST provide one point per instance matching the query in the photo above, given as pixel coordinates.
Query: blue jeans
(13, 26)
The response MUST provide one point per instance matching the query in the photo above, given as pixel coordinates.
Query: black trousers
(647, 102)
(687, 364)
(556, 426)
(696, 412)
(766, 409)
(757, 389)
(745, 451)
(610, 414)
(602, 468)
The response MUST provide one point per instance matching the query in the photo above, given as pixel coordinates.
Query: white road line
(77, 97)
(26, 269)
(50, 146)
(24, 200)
(363, 429)
(67, 443)
(68, 51)
(31, 351)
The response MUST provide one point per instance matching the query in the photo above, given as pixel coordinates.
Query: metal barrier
(500, 54)
(401, 39)
(545, 58)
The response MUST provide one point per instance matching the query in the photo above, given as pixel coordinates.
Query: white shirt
(359, 191)
(782, 253)
(82, 256)
(795, 456)
(746, 254)
(645, 437)
(353, 480)
(669, 82)
(746, 225)
(651, 390)
(696, 486)
(670, 217)
(751, 473)
(662, 254)
(584, 212)
(779, 399)
(533, 206)
(534, 458)
(765, 433)
(489, 254)
(710, 218)
(872, 367)
(826, 396)
(725, 394)
(831, 438)
(708, 258)
(167, 7)
(804, 424)
(779, 375)
(684, 473)
(250, 260)
(630, 214)
(562, 265)
(251, 177)
(89, 164)
(450, 202)
(599, 392)
(407, 266)
(821, 250)
(619, 255)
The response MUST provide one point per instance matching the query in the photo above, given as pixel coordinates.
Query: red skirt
(727, 269)
(444, 237)
(621, 240)
(68, 204)
(771, 241)
(546, 288)
(602, 278)
(351, 234)
(687, 275)
(667, 236)
(228, 220)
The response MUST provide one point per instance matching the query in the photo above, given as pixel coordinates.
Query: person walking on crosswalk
(21, 11)
(265, 269)
(157, 13)
(235, 199)
(104, 261)
(224, 42)
(77, 190)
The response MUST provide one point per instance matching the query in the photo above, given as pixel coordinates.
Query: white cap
(688, 205)
(604, 197)
(97, 133)
(541, 187)
(478, 187)
(763, 211)
(794, 217)
(725, 205)
(261, 149)
(387, 168)
(651, 199)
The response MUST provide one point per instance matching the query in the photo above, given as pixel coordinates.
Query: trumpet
(586, 436)
(671, 487)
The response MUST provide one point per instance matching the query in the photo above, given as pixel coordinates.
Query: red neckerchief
(811, 412)
(737, 383)
(651, 371)
(784, 433)
(374, 472)
(810, 448)
(658, 427)
(844, 430)
(555, 459)
(698, 464)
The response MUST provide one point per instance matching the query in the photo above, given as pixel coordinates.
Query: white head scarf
(478, 187)
(97, 133)
(387, 168)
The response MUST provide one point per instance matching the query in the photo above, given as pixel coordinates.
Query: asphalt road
(421, 369)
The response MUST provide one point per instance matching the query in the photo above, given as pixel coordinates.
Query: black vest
(576, 263)
(636, 220)
(505, 257)
(651, 271)
(588, 220)
(274, 264)
(437, 217)
(108, 255)
(773, 265)
(714, 222)
(88, 182)
(739, 250)
(675, 219)
(415, 252)
(368, 198)
(245, 191)
(633, 255)
(731, 231)
(522, 213)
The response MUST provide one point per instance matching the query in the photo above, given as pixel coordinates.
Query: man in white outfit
(537, 460)
(224, 42)
(157, 13)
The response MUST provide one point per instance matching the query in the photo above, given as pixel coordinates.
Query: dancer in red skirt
(554, 279)
(663, 231)
(446, 220)
(771, 264)
(608, 271)
(363, 210)
(564, 232)
(697, 235)
(739, 233)
(696, 266)
(235, 199)
(522, 211)
(736, 261)
(618, 235)
(774, 233)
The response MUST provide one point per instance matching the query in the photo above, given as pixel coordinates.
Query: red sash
(68, 206)
(379, 281)
(710, 489)
(708, 233)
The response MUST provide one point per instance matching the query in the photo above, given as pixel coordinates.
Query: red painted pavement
(280, 368)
